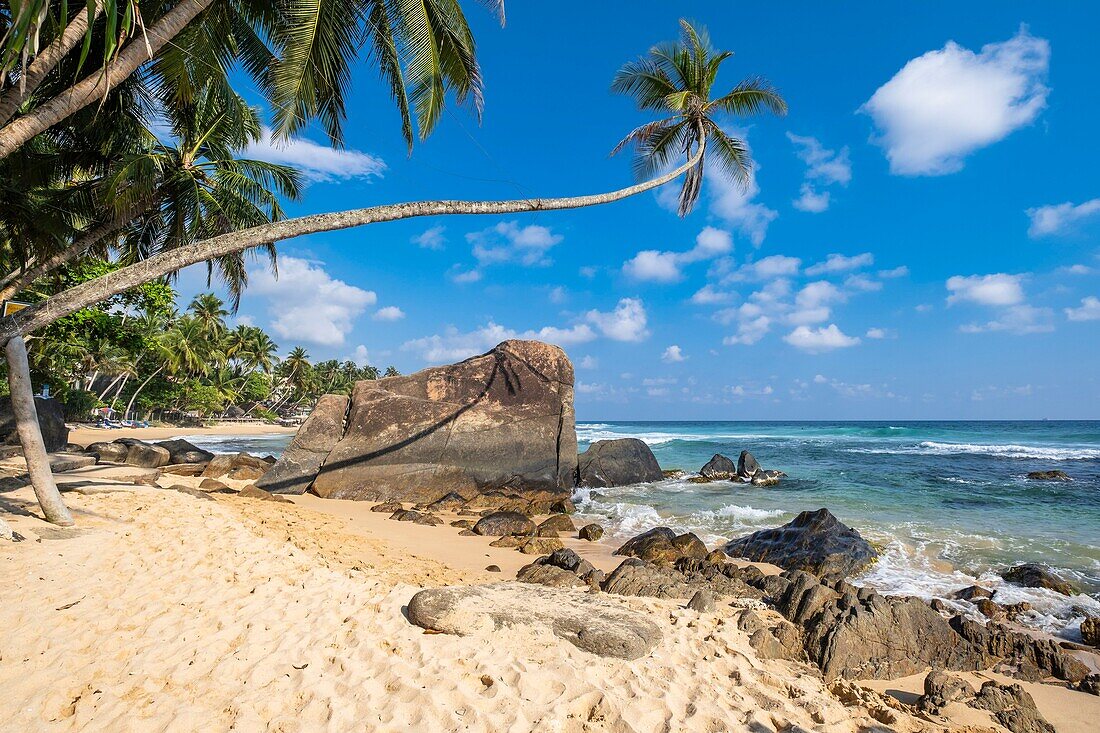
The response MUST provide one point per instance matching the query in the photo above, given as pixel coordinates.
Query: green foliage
(201, 398)
(78, 404)
(256, 388)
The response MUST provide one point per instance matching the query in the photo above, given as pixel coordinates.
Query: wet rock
(389, 507)
(147, 456)
(698, 480)
(565, 506)
(747, 467)
(988, 608)
(587, 621)
(1090, 631)
(619, 462)
(555, 525)
(499, 524)
(591, 532)
(767, 478)
(1034, 575)
(503, 419)
(251, 492)
(719, 467)
(300, 463)
(110, 452)
(1054, 475)
(816, 542)
(182, 451)
(972, 593)
(1012, 707)
(702, 601)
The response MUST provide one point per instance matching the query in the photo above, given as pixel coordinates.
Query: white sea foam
(743, 513)
(592, 433)
(933, 448)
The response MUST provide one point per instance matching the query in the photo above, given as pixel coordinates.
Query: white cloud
(769, 267)
(558, 295)
(1078, 269)
(588, 271)
(1089, 310)
(810, 200)
(841, 263)
(816, 340)
(749, 331)
(734, 205)
(389, 313)
(862, 283)
(820, 379)
(626, 323)
(1016, 319)
(307, 304)
(466, 276)
(316, 162)
(360, 356)
(673, 354)
(454, 345)
(431, 238)
(942, 106)
(708, 295)
(1060, 218)
(823, 167)
(877, 333)
(900, 271)
(509, 242)
(588, 362)
(998, 289)
(656, 266)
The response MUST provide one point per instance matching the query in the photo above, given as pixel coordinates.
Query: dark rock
(636, 577)
(1054, 475)
(698, 480)
(653, 546)
(181, 451)
(51, 421)
(937, 605)
(1012, 707)
(71, 448)
(941, 689)
(1090, 684)
(719, 467)
(389, 507)
(690, 546)
(299, 464)
(747, 467)
(972, 593)
(1034, 575)
(1090, 631)
(816, 542)
(408, 515)
(617, 462)
(587, 621)
(499, 524)
(1020, 654)
(988, 608)
(110, 452)
(502, 420)
(450, 502)
(555, 525)
(565, 506)
(147, 456)
(767, 478)
(591, 532)
(251, 492)
(130, 441)
(492, 568)
(702, 601)
(184, 469)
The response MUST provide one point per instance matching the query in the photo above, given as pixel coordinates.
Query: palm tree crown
(676, 79)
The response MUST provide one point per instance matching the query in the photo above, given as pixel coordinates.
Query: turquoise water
(948, 502)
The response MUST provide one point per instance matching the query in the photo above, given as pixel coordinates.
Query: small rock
(212, 484)
(988, 608)
(463, 523)
(1034, 575)
(1054, 475)
(509, 541)
(486, 679)
(940, 689)
(1090, 631)
(251, 492)
(653, 546)
(591, 532)
(451, 502)
(1012, 707)
(541, 545)
(719, 467)
(565, 506)
(972, 593)
(389, 507)
(555, 525)
(499, 524)
(702, 601)
(493, 568)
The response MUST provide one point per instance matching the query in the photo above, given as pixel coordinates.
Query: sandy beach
(85, 435)
(166, 611)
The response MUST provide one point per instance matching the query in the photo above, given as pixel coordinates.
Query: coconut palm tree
(676, 80)
(209, 313)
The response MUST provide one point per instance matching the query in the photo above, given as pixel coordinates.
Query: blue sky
(921, 240)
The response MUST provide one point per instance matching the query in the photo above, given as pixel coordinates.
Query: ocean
(947, 503)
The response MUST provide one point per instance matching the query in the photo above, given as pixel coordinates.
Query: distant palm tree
(676, 79)
(209, 312)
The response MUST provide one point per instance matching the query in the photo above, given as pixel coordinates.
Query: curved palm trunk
(93, 291)
(30, 436)
(46, 62)
(130, 404)
(97, 84)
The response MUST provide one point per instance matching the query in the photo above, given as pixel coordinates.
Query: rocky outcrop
(635, 577)
(719, 467)
(1012, 707)
(238, 466)
(1090, 631)
(51, 421)
(1034, 575)
(619, 462)
(299, 464)
(816, 542)
(182, 451)
(589, 622)
(663, 546)
(147, 456)
(1054, 475)
(747, 467)
(502, 420)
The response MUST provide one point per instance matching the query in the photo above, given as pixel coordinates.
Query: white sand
(83, 435)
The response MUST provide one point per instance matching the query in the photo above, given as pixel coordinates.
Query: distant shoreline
(87, 435)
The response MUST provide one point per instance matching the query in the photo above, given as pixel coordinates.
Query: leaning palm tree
(677, 80)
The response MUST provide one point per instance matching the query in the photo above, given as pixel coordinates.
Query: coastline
(84, 435)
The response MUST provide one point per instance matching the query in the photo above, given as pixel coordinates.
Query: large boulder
(1034, 575)
(51, 421)
(298, 465)
(589, 622)
(502, 420)
(617, 462)
(147, 456)
(182, 451)
(747, 467)
(719, 467)
(503, 524)
(111, 452)
(816, 542)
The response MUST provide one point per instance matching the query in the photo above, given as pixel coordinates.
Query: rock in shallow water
(719, 467)
(619, 462)
(1034, 575)
(1055, 475)
(816, 542)
(589, 622)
